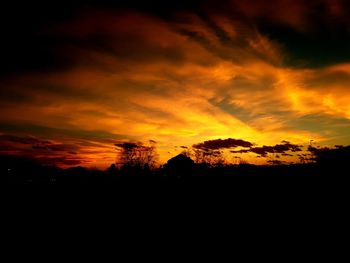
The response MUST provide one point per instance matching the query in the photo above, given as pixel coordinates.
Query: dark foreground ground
(16, 170)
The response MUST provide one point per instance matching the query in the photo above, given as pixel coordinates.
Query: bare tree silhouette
(209, 157)
(137, 155)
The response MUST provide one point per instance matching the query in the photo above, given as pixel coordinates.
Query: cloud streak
(222, 144)
(202, 72)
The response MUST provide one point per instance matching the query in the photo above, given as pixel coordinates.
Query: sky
(256, 79)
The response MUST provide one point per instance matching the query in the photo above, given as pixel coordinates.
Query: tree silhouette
(137, 155)
(209, 157)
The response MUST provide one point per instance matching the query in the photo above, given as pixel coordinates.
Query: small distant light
(9, 170)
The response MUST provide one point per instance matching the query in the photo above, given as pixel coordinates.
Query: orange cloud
(177, 82)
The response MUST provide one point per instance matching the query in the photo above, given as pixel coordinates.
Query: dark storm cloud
(128, 145)
(276, 149)
(43, 151)
(86, 67)
(319, 48)
(37, 144)
(320, 35)
(62, 147)
(89, 135)
(23, 140)
(28, 90)
(24, 48)
(279, 148)
(62, 152)
(222, 144)
(334, 78)
(313, 32)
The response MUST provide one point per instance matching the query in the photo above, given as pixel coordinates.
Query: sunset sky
(78, 78)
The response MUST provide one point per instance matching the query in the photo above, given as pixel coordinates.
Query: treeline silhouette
(139, 165)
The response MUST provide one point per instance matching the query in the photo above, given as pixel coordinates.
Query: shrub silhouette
(179, 166)
(327, 163)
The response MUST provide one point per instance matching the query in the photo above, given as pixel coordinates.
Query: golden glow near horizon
(175, 82)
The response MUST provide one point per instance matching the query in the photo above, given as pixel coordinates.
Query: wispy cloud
(196, 76)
